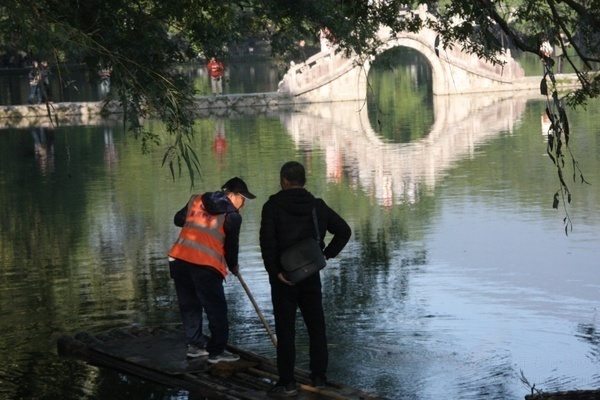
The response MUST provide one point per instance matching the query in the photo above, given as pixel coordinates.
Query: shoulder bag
(303, 258)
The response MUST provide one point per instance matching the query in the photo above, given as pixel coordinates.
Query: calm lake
(458, 280)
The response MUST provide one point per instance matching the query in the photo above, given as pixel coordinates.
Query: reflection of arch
(399, 172)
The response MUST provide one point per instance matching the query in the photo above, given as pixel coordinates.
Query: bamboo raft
(158, 355)
(566, 395)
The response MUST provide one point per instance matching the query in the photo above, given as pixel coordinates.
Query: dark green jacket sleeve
(268, 240)
(335, 225)
(233, 224)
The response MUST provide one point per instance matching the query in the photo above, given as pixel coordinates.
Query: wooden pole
(260, 314)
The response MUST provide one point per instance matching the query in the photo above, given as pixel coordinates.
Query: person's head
(292, 175)
(35, 63)
(237, 191)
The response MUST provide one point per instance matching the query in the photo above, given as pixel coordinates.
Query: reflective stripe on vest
(202, 238)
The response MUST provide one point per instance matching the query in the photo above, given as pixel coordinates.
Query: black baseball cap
(238, 186)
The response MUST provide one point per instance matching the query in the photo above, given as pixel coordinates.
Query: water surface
(458, 277)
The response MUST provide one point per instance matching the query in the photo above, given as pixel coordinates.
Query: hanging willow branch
(558, 140)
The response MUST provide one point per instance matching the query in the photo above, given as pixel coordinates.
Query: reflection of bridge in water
(394, 172)
(390, 172)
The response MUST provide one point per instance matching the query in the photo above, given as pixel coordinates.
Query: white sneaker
(225, 356)
(194, 351)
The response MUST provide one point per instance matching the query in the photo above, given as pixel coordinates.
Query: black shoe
(318, 382)
(279, 390)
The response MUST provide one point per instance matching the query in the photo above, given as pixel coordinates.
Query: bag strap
(314, 214)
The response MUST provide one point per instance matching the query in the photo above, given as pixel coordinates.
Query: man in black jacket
(287, 219)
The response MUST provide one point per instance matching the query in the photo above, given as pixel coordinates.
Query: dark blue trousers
(307, 297)
(200, 289)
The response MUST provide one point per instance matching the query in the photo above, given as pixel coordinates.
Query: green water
(458, 276)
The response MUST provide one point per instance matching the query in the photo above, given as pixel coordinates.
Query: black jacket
(287, 219)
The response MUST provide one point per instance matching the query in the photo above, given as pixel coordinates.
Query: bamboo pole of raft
(260, 314)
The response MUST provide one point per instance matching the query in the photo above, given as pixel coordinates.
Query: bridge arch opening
(400, 96)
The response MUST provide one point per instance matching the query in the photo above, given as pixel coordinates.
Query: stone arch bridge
(331, 76)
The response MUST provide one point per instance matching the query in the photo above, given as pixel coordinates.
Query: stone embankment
(229, 105)
(93, 113)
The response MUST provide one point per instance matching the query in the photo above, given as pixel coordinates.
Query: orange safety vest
(202, 238)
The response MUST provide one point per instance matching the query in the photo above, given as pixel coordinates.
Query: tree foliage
(142, 39)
